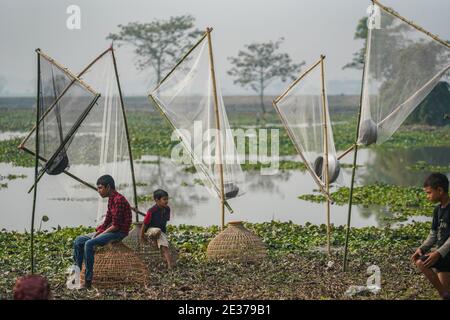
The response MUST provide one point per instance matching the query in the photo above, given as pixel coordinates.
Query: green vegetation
(402, 201)
(294, 269)
(423, 166)
(150, 135)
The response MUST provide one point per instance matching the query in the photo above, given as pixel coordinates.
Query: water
(267, 197)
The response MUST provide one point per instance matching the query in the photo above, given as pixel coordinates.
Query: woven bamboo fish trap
(116, 265)
(149, 251)
(236, 243)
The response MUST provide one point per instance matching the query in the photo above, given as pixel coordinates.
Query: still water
(267, 198)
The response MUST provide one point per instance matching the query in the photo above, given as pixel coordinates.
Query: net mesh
(402, 66)
(101, 143)
(302, 112)
(186, 97)
(63, 100)
(98, 145)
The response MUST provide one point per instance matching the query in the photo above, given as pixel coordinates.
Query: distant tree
(160, 43)
(260, 64)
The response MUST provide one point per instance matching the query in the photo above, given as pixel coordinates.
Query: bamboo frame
(326, 161)
(291, 134)
(154, 100)
(78, 78)
(66, 139)
(355, 146)
(133, 178)
(219, 142)
(181, 60)
(74, 79)
(292, 85)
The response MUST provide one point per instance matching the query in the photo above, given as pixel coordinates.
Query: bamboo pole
(36, 160)
(326, 162)
(219, 142)
(188, 149)
(411, 23)
(355, 154)
(181, 60)
(297, 80)
(127, 134)
(66, 140)
(347, 151)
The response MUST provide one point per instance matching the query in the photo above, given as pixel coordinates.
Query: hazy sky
(310, 27)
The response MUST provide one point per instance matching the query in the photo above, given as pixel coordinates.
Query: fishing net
(403, 65)
(89, 140)
(304, 116)
(186, 98)
(64, 101)
(103, 135)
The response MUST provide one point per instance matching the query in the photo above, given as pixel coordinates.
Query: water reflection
(267, 197)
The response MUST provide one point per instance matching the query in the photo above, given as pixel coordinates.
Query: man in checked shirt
(114, 228)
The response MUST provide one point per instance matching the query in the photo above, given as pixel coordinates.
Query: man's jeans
(84, 248)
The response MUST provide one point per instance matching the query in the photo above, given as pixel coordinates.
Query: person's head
(161, 197)
(31, 287)
(436, 187)
(105, 185)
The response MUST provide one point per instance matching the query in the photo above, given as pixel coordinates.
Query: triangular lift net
(303, 109)
(403, 64)
(82, 133)
(191, 101)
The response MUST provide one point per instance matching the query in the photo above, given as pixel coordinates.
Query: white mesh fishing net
(103, 136)
(403, 65)
(304, 115)
(186, 98)
(98, 140)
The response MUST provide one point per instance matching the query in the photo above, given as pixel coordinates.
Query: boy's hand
(416, 255)
(432, 259)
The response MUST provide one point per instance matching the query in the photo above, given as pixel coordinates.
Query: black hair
(106, 180)
(436, 180)
(158, 194)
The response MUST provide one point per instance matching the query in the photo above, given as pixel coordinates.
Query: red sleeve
(148, 217)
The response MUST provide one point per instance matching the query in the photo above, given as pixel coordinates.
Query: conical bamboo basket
(236, 243)
(116, 265)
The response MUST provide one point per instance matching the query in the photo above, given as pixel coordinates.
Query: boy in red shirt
(115, 227)
(155, 223)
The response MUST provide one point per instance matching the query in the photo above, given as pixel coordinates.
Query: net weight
(236, 309)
